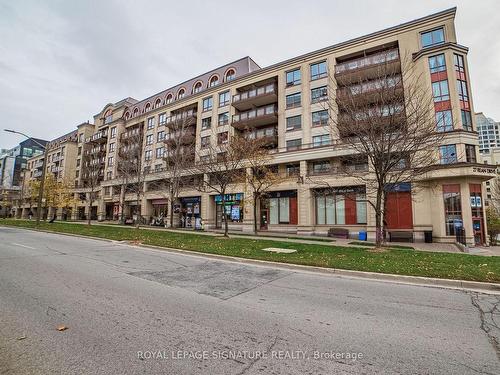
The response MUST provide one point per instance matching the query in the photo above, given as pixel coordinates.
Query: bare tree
(93, 161)
(222, 164)
(133, 166)
(263, 175)
(179, 156)
(384, 116)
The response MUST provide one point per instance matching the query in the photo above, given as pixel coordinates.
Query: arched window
(127, 115)
(169, 99)
(148, 107)
(136, 111)
(230, 75)
(181, 93)
(214, 81)
(157, 103)
(108, 116)
(197, 87)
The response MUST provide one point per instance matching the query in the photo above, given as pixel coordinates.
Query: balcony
(256, 117)
(188, 154)
(38, 164)
(132, 135)
(56, 158)
(256, 97)
(101, 136)
(268, 137)
(180, 138)
(369, 67)
(37, 174)
(326, 170)
(183, 119)
(380, 90)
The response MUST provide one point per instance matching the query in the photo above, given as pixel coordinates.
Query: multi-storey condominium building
(489, 135)
(285, 104)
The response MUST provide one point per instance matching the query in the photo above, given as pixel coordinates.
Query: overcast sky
(62, 61)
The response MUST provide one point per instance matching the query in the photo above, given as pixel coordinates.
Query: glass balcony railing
(363, 62)
(256, 113)
(259, 91)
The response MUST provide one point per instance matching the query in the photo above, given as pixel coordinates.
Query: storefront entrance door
(264, 218)
(478, 231)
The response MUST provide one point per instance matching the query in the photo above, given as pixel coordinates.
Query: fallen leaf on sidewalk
(21, 338)
(62, 328)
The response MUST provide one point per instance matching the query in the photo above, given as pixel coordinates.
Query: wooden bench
(338, 232)
(400, 236)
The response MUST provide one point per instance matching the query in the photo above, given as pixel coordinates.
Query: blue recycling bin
(362, 236)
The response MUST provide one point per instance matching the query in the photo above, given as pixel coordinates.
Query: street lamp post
(42, 182)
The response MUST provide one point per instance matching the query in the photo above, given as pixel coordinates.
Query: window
(157, 103)
(470, 154)
(207, 104)
(293, 169)
(466, 120)
(169, 99)
(462, 90)
(448, 154)
(230, 75)
(437, 63)
(293, 100)
(440, 91)
(160, 136)
(205, 142)
(331, 209)
(162, 119)
(279, 210)
(319, 94)
(452, 208)
(112, 147)
(321, 167)
(108, 117)
(321, 140)
(224, 98)
(222, 138)
(214, 81)
(459, 63)
(444, 121)
(320, 118)
(80, 138)
(110, 161)
(109, 175)
(148, 155)
(318, 70)
(149, 139)
(206, 123)
(113, 132)
(151, 123)
(431, 38)
(293, 144)
(223, 118)
(181, 94)
(160, 151)
(293, 123)
(80, 150)
(293, 77)
(197, 87)
(77, 162)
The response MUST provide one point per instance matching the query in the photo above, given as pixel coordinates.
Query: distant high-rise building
(489, 135)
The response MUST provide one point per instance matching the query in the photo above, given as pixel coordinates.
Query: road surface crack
(487, 318)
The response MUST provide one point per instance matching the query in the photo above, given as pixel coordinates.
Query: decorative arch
(147, 107)
(213, 81)
(169, 98)
(181, 93)
(157, 102)
(136, 111)
(230, 74)
(197, 87)
(127, 115)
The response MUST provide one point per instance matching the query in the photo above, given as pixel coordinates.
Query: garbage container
(428, 236)
(362, 236)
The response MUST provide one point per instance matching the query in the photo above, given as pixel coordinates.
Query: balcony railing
(363, 62)
(188, 117)
(100, 136)
(344, 169)
(37, 174)
(255, 97)
(256, 117)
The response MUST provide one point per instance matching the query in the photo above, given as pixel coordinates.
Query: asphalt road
(131, 310)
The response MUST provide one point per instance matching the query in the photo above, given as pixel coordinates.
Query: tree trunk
(224, 216)
(89, 217)
(122, 205)
(255, 227)
(138, 200)
(378, 219)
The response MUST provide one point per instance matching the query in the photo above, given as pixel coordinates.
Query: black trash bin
(428, 236)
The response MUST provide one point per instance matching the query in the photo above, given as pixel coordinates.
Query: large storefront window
(189, 210)
(340, 206)
(232, 209)
(281, 208)
(452, 208)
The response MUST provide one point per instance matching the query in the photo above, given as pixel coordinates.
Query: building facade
(489, 133)
(285, 104)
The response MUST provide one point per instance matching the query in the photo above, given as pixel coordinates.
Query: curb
(463, 285)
